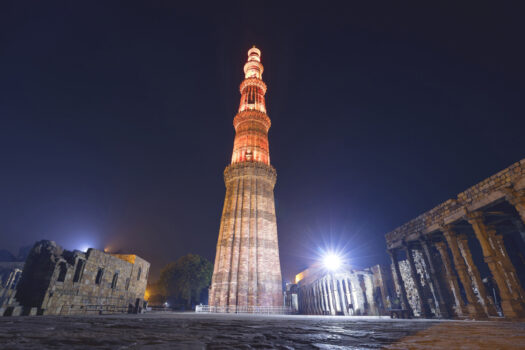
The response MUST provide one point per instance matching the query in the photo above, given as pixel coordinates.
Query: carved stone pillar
(517, 199)
(425, 310)
(511, 308)
(331, 304)
(509, 269)
(452, 279)
(342, 299)
(399, 281)
(326, 308)
(488, 305)
(435, 280)
(520, 226)
(474, 308)
(349, 297)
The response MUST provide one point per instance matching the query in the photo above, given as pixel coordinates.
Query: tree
(186, 280)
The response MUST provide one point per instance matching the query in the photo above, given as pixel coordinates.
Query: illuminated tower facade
(247, 270)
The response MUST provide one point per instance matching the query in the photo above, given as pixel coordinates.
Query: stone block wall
(57, 281)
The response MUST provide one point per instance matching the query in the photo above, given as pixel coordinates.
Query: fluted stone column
(348, 293)
(317, 301)
(452, 279)
(320, 298)
(511, 308)
(340, 287)
(399, 281)
(425, 309)
(334, 293)
(326, 307)
(328, 298)
(488, 305)
(474, 308)
(247, 271)
(435, 279)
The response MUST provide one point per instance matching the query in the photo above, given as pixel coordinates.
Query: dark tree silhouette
(186, 280)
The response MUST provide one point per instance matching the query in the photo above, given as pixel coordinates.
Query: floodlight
(332, 261)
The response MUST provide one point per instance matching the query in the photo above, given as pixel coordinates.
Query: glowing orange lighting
(147, 294)
(251, 122)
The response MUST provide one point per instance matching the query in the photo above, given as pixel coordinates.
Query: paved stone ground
(201, 331)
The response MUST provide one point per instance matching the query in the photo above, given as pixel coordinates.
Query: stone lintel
(490, 190)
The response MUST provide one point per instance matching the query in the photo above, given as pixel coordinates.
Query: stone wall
(57, 281)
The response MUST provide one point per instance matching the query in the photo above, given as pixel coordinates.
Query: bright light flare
(332, 261)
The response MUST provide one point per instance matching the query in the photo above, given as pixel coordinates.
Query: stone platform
(200, 331)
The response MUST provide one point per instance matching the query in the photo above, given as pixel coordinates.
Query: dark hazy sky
(116, 118)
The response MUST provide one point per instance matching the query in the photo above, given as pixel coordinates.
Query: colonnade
(338, 294)
(458, 289)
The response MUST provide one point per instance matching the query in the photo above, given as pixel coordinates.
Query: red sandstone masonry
(247, 269)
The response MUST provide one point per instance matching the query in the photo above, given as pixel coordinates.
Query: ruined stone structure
(247, 271)
(10, 273)
(60, 282)
(465, 257)
(345, 292)
(291, 298)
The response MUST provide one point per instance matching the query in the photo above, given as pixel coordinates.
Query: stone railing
(266, 310)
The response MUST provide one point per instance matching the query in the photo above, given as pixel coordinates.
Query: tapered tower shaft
(247, 269)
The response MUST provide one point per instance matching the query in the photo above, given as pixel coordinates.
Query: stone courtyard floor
(204, 331)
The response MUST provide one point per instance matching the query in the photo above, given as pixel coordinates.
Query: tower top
(251, 122)
(253, 68)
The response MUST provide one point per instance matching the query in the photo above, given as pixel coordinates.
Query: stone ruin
(347, 292)
(465, 258)
(56, 281)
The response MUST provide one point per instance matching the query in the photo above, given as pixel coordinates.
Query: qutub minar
(247, 271)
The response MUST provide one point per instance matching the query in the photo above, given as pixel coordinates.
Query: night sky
(116, 118)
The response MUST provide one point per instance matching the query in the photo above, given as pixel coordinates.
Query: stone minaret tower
(247, 270)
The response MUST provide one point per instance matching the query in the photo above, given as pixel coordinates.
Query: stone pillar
(335, 293)
(318, 304)
(510, 270)
(435, 280)
(331, 306)
(342, 299)
(348, 294)
(488, 305)
(474, 308)
(520, 226)
(327, 309)
(452, 279)
(425, 309)
(511, 308)
(517, 199)
(399, 281)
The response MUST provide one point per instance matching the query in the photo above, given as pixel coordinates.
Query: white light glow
(332, 261)
(84, 248)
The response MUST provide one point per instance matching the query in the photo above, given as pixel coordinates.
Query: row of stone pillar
(495, 255)
(329, 296)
